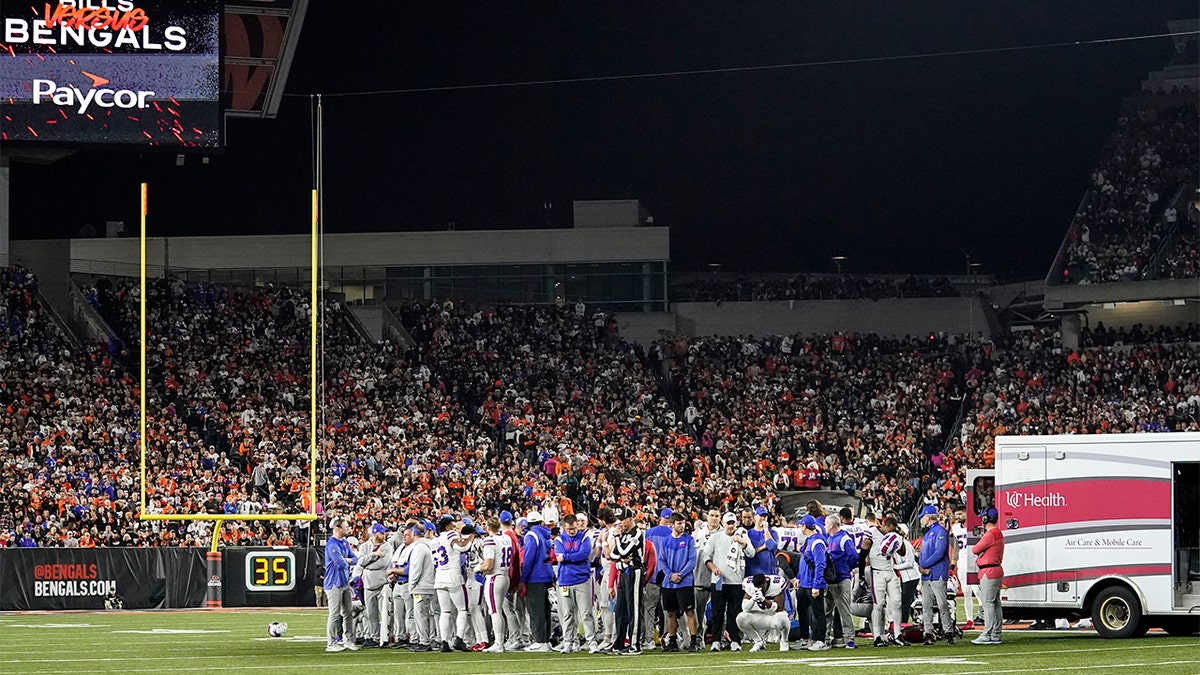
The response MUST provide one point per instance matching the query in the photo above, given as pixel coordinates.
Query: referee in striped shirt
(629, 555)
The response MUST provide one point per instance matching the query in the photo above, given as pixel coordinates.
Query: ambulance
(1106, 526)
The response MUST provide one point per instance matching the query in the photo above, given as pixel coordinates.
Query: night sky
(897, 165)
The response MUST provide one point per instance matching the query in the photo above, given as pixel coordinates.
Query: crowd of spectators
(725, 288)
(1125, 214)
(1151, 383)
(519, 407)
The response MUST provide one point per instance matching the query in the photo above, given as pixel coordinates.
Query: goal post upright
(312, 365)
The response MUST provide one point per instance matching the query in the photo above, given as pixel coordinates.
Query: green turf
(236, 641)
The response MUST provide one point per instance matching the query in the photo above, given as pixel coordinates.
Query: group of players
(512, 583)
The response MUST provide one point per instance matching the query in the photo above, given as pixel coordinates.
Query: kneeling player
(763, 610)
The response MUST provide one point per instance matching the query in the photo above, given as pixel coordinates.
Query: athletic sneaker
(818, 646)
(538, 647)
(338, 647)
(512, 646)
(478, 647)
(851, 644)
(899, 641)
(670, 646)
(352, 647)
(446, 648)
(459, 645)
(632, 651)
(881, 642)
(716, 646)
(803, 644)
(495, 649)
(735, 646)
(837, 642)
(981, 640)
(592, 647)
(758, 646)
(696, 644)
(783, 645)
(950, 639)
(969, 625)
(930, 639)
(418, 647)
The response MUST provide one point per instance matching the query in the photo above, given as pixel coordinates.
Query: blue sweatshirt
(535, 554)
(677, 555)
(844, 554)
(763, 562)
(573, 553)
(337, 570)
(935, 553)
(812, 568)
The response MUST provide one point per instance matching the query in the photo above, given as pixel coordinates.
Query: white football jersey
(498, 549)
(447, 562)
(791, 539)
(879, 562)
(775, 586)
(960, 536)
(857, 533)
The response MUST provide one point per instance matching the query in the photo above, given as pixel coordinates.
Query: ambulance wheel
(1116, 613)
(1181, 626)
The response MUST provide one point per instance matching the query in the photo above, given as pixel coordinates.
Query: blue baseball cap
(991, 515)
(429, 527)
(506, 516)
(521, 522)
(379, 528)
(929, 510)
(809, 521)
(761, 511)
(666, 513)
(466, 520)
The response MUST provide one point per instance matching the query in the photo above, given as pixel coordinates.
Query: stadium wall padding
(85, 578)
(140, 578)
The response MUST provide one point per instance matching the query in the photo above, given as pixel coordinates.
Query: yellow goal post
(220, 518)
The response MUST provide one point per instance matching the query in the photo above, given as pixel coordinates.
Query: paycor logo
(71, 96)
(1016, 500)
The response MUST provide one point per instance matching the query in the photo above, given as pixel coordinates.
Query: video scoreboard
(114, 72)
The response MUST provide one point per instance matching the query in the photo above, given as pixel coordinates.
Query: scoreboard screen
(116, 72)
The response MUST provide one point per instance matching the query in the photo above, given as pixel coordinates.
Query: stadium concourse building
(614, 258)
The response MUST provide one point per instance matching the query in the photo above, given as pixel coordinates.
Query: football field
(236, 641)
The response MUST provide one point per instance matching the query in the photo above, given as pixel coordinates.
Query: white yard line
(1056, 668)
(690, 664)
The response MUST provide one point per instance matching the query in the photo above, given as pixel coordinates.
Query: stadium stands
(508, 407)
(1123, 219)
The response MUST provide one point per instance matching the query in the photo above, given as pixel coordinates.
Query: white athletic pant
(969, 592)
(495, 592)
(385, 615)
(756, 625)
(452, 622)
(885, 590)
(403, 620)
(575, 608)
(475, 610)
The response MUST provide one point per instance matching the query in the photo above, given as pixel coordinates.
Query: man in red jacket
(989, 555)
